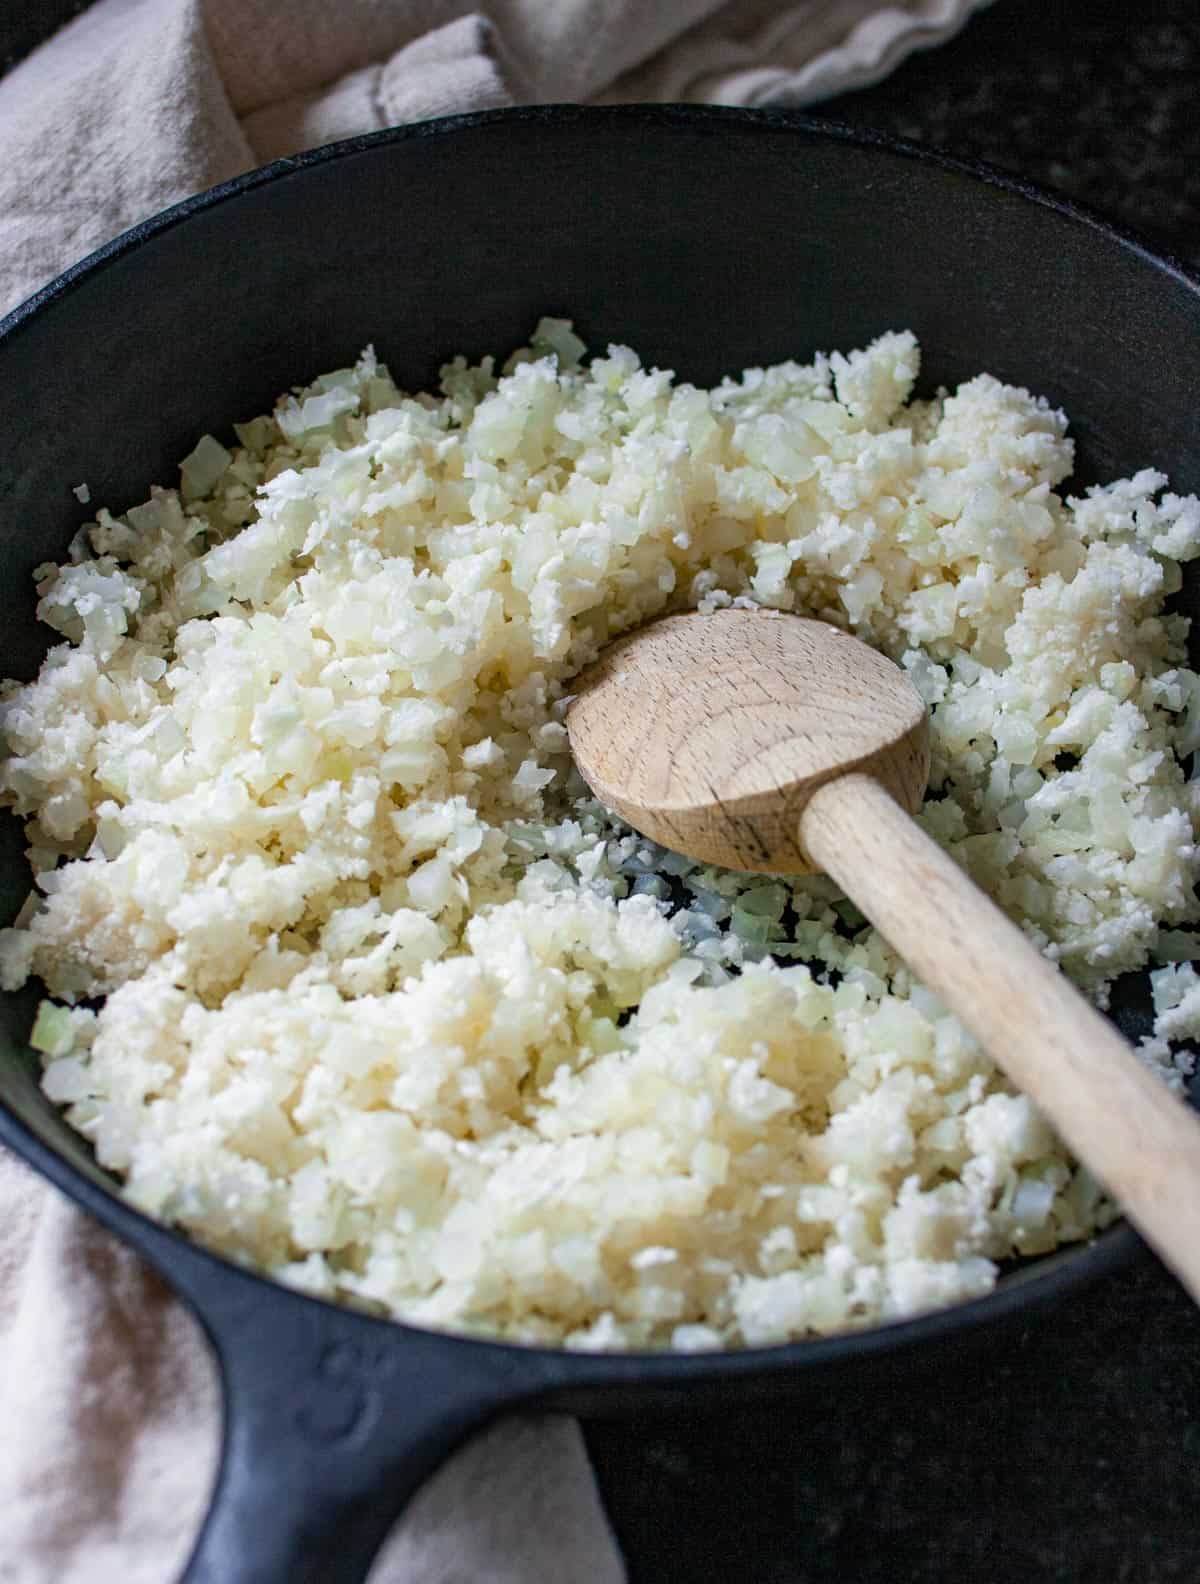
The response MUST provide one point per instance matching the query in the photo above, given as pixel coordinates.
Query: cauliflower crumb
(394, 1010)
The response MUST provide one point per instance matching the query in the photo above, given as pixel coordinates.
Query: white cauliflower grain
(395, 1011)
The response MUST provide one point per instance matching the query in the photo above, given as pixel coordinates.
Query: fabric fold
(455, 65)
(121, 115)
(760, 53)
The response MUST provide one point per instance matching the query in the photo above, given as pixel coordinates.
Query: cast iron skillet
(709, 240)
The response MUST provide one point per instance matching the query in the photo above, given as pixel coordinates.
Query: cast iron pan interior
(707, 239)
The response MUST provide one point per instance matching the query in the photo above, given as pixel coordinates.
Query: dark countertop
(1064, 1447)
(1094, 100)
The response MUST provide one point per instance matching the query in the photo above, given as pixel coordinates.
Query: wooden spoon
(768, 742)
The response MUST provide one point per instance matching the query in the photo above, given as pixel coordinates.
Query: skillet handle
(332, 1422)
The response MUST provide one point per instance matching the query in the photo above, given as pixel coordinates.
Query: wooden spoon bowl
(710, 734)
(770, 742)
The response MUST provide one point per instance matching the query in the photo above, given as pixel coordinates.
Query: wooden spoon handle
(1130, 1130)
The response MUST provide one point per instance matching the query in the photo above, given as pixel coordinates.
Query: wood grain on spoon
(773, 743)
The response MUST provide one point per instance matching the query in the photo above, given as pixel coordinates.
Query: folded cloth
(108, 1402)
(139, 102)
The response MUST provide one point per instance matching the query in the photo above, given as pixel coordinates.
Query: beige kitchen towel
(108, 1405)
(108, 1435)
(139, 102)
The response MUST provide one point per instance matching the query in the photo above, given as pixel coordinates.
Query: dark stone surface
(25, 23)
(1063, 1448)
(1095, 100)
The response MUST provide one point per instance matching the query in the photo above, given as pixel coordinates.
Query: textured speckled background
(1063, 1448)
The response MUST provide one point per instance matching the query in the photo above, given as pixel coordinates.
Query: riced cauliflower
(352, 979)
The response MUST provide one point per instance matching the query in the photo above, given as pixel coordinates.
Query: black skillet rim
(1071, 1268)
